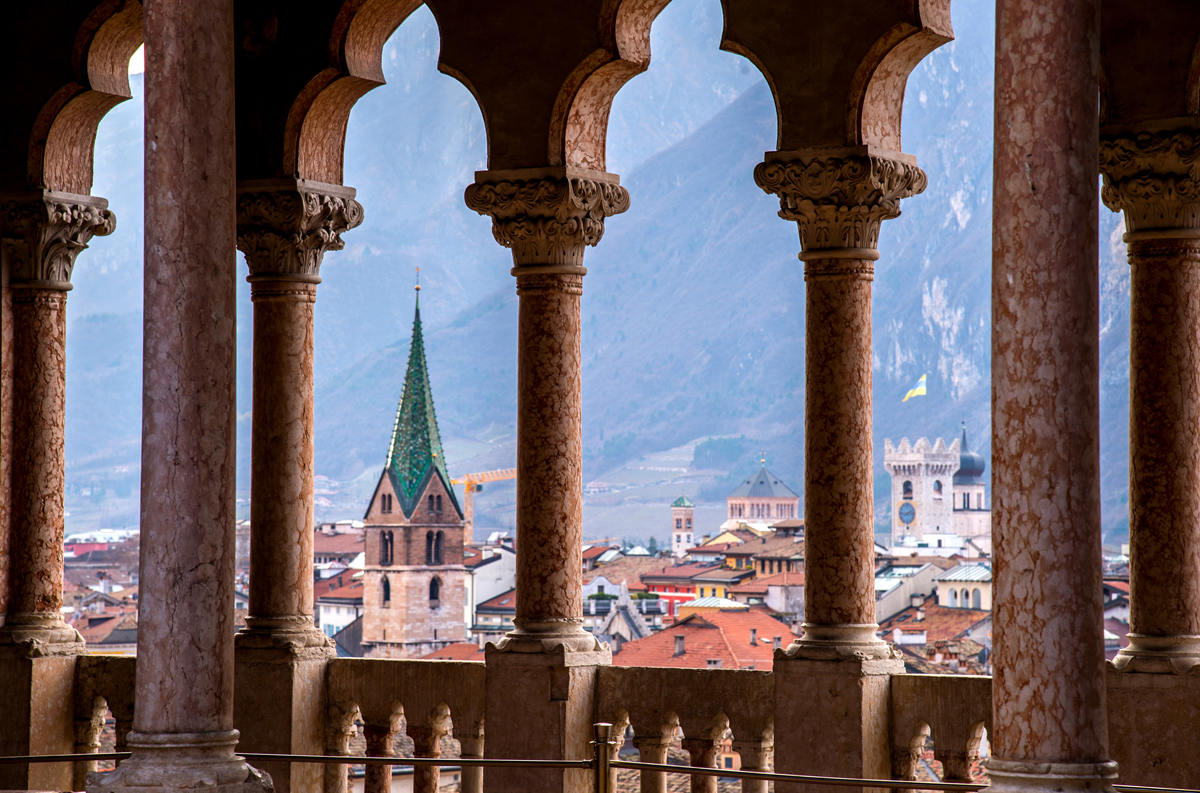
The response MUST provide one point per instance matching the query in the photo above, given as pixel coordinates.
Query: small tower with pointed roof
(972, 515)
(683, 511)
(414, 578)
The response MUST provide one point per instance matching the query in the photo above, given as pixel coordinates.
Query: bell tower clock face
(907, 513)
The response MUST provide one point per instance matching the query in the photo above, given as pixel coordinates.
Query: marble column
(41, 233)
(381, 742)
(547, 217)
(1148, 176)
(703, 754)
(427, 742)
(1048, 694)
(284, 228)
(838, 673)
(470, 741)
(183, 732)
(755, 756)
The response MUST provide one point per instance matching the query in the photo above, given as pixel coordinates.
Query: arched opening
(953, 598)
(437, 548)
(435, 591)
(976, 599)
(966, 599)
(908, 489)
(937, 489)
(429, 547)
(439, 506)
(387, 593)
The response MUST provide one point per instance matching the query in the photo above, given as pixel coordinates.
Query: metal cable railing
(601, 764)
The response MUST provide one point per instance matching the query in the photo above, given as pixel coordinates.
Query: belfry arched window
(387, 547)
(387, 593)
(439, 505)
(429, 547)
(953, 598)
(976, 599)
(908, 489)
(435, 591)
(437, 548)
(937, 489)
(431, 503)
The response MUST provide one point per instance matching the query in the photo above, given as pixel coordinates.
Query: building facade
(764, 498)
(414, 592)
(922, 487)
(683, 512)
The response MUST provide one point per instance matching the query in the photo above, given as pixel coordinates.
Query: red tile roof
(337, 543)
(626, 569)
(715, 635)
(598, 550)
(940, 623)
(759, 585)
(503, 601)
(679, 572)
(349, 592)
(462, 651)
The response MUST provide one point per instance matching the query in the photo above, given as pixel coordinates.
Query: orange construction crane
(472, 484)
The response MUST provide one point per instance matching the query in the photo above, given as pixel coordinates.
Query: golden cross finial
(418, 287)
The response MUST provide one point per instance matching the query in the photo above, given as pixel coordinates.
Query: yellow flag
(917, 390)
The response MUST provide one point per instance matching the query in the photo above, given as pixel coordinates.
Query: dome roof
(970, 465)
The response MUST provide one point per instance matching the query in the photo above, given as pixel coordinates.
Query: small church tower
(972, 516)
(682, 512)
(414, 578)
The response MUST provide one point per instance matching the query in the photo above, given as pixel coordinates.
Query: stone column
(1048, 695)
(183, 732)
(42, 233)
(703, 754)
(284, 228)
(381, 742)
(470, 741)
(838, 672)
(427, 742)
(1148, 175)
(547, 216)
(652, 749)
(755, 756)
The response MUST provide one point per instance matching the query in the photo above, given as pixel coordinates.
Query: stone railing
(954, 710)
(433, 698)
(103, 683)
(706, 705)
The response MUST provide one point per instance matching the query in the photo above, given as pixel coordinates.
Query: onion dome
(970, 465)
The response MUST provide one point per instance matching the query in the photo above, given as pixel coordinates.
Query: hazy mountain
(694, 303)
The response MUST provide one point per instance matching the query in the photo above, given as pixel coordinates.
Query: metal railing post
(602, 756)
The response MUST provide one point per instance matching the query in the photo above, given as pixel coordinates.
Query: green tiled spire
(416, 449)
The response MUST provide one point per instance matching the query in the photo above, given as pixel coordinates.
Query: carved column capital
(42, 232)
(1154, 178)
(547, 216)
(839, 197)
(285, 226)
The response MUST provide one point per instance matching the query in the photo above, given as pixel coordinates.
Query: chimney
(679, 640)
(777, 642)
(918, 600)
(754, 637)
(920, 614)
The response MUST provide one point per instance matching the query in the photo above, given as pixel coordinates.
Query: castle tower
(972, 516)
(414, 578)
(922, 488)
(682, 513)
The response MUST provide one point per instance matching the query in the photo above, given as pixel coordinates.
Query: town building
(761, 499)
(729, 638)
(939, 496)
(966, 586)
(414, 579)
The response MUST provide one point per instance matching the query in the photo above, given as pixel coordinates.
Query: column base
(170, 761)
(1014, 776)
(39, 634)
(296, 635)
(837, 642)
(1163, 655)
(548, 636)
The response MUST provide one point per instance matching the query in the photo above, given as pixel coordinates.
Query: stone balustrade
(703, 707)
(434, 699)
(952, 709)
(704, 704)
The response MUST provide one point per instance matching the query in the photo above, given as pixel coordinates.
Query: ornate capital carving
(1153, 177)
(286, 226)
(549, 217)
(42, 232)
(839, 198)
